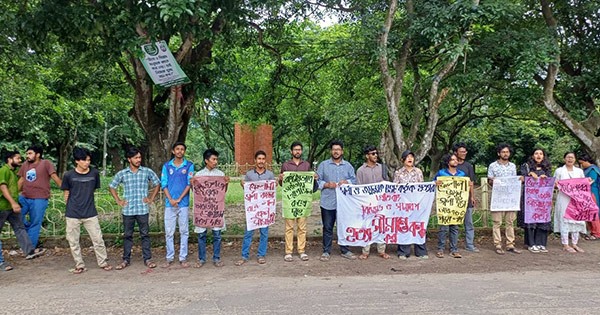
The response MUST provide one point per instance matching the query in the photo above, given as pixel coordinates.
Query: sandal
(456, 255)
(150, 264)
(363, 256)
(288, 258)
(199, 264)
(384, 255)
(218, 263)
(184, 264)
(261, 260)
(499, 251)
(439, 254)
(167, 264)
(6, 267)
(578, 249)
(569, 249)
(241, 262)
(303, 257)
(107, 267)
(122, 265)
(78, 271)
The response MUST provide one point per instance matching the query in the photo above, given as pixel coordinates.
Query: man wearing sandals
(135, 180)
(175, 182)
(333, 173)
(211, 161)
(258, 173)
(78, 187)
(296, 164)
(9, 207)
(369, 173)
(502, 168)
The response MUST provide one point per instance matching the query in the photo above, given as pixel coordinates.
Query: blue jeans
(129, 224)
(36, 208)
(453, 237)
(1, 257)
(174, 216)
(262, 243)
(328, 217)
(216, 245)
(469, 229)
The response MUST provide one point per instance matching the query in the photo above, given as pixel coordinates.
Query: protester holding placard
(211, 161)
(460, 150)
(369, 173)
(296, 164)
(503, 168)
(449, 168)
(333, 173)
(562, 224)
(409, 173)
(536, 234)
(258, 173)
(591, 171)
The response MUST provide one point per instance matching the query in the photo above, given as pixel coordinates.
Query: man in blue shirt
(137, 196)
(450, 162)
(175, 182)
(333, 173)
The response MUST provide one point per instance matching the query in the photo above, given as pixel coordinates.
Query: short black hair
(80, 154)
(295, 144)
(446, 160)
(503, 145)
(179, 143)
(9, 155)
(336, 142)
(583, 156)
(209, 152)
(369, 148)
(458, 145)
(131, 152)
(570, 152)
(259, 152)
(36, 148)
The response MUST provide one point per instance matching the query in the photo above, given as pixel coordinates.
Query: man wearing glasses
(369, 173)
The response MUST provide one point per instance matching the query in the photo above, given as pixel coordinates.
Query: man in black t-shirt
(78, 186)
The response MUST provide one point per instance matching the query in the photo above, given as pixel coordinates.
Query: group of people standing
(25, 211)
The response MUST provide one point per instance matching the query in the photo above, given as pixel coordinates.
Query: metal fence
(109, 213)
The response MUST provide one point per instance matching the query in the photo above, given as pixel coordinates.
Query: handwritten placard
(209, 201)
(506, 194)
(581, 207)
(383, 213)
(538, 199)
(452, 199)
(297, 193)
(259, 201)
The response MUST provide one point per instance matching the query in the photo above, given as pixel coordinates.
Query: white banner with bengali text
(383, 213)
(506, 194)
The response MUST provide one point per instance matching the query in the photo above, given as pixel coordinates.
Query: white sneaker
(542, 249)
(534, 249)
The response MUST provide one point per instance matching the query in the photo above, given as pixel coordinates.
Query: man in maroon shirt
(296, 164)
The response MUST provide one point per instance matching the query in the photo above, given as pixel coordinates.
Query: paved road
(531, 292)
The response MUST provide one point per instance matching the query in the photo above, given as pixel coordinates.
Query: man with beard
(296, 164)
(333, 173)
(135, 180)
(503, 168)
(78, 187)
(34, 183)
(369, 173)
(175, 182)
(257, 174)
(460, 150)
(10, 209)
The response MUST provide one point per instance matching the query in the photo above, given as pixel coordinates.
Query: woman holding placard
(562, 225)
(536, 234)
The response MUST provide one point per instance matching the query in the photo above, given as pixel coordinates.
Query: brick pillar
(248, 140)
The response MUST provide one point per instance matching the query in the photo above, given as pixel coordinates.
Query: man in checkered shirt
(136, 197)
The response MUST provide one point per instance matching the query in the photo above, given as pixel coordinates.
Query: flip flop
(363, 256)
(107, 267)
(241, 262)
(569, 249)
(78, 271)
(6, 267)
(384, 256)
